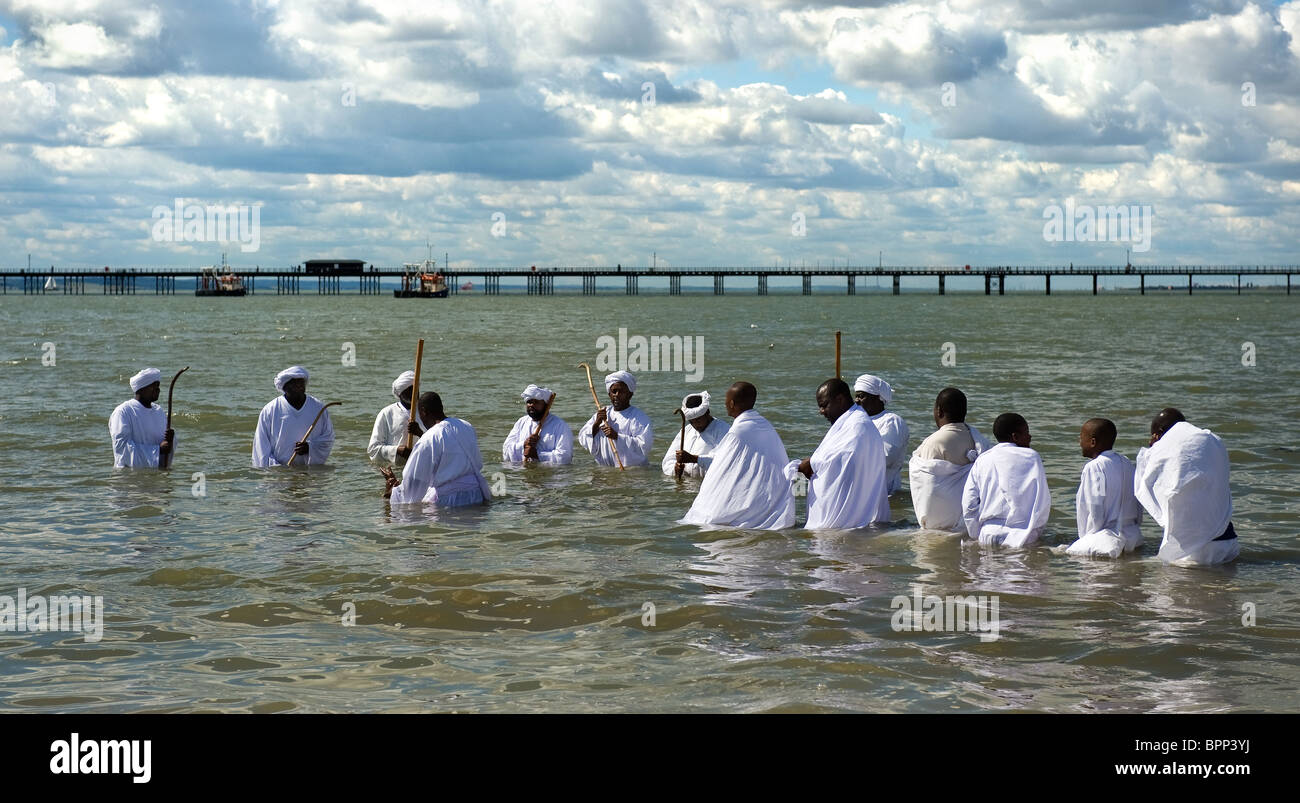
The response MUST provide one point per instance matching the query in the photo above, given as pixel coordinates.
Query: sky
(677, 133)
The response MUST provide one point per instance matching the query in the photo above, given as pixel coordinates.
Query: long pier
(542, 281)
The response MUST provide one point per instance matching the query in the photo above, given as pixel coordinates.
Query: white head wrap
(145, 378)
(693, 413)
(296, 372)
(403, 381)
(621, 376)
(536, 392)
(874, 385)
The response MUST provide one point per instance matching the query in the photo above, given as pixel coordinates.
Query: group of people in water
(993, 493)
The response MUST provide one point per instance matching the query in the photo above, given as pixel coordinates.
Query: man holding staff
(702, 437)
(846, 474)
(139, 427)
(284, 421)
(551, 444)
(624, 427)
(445, 468)
(388, 438)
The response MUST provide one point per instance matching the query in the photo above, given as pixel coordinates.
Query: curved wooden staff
(681, 445)
(541, 421)
(294, 456)
(415, 392)
(837, 355)
(162, 464)
(596, 399)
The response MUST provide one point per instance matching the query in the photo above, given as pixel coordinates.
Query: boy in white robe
(285, 420)
(387, 445)
(746, 485)
(1107, 512)
(552, 445)
(846, 474)
(938, 469)
(623, 426)
(138, 427)
(445, 468)
(872, 394)
(702, 437)
(1182, 481)
(1006, 501)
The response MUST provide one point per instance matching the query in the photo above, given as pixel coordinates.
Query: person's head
(1164, 419)
(1096, 436)
(431, 408)
(740, 398)
(620, 386)
(292, 382)
(833, 399)
(1011, 428)
(146, 386)
(696, 409)
(405, 398)
(949, 407)
(535, 400)
(873, 393)
(402, 387)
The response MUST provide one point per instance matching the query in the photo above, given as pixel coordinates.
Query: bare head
(740, 398)
(431, 408)
(949, 407)
(1165, 419)
(833, 399)
(1011, 428)
(1096, 436)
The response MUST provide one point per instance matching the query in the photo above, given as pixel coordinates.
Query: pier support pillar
(1189, 284)
(718, 287)
(1002, 284)
(631, 284)
(852, 287)
(762, 284)
(1143, 284)
(674, 285)
(988, 284)
(941, 288)
(807, 284)
(1238, 284)
(1048, 277)
(896, 288)
(1094, 284)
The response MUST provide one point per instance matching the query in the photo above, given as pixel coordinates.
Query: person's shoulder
(124, 406)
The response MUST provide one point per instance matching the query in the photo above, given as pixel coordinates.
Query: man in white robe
(1106, 509)
(552, 445)
(702, 437)
(621, 425)
(445, 468)
(746, 484)
(138, 426)
(846, 474)
(1182, 481)
(872, 394)
(1006, 501)
(387, 445)
(285, 420)
(938, 469)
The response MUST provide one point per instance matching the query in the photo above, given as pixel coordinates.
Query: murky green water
(233, 601)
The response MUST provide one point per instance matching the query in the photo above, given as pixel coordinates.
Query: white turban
(145, 378)
(536, 392)
(296, 372)
(621, 376)
(403, 381)
(693, 413)
(875, 386)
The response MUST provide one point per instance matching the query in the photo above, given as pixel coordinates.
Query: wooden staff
(596, 399)
(294, 456)
(681, 445)
(163, 462)
(415, 392)
(541, 421)
(837, 355)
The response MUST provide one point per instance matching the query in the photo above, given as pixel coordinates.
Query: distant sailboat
(50, 284)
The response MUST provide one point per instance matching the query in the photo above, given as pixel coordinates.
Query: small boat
(467, 287)
(215, 282)
(50, 284)
(422, 280)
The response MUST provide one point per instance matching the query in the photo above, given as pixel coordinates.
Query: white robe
(847, 489)
(1182, 481)
(445, 468)
(279, 427)
(635, 438)
(388, 433)
(746, 485)
(1006, 500)
(893, 432)
(1108, 514)
(554, 442)
(700, 444)
(937, 486)
(137, 431)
